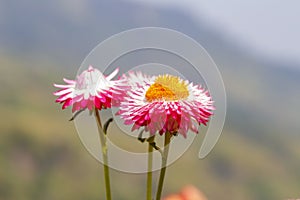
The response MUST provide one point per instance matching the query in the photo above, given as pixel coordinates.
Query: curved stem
(104, 155)
(163, 165)
(149, 174)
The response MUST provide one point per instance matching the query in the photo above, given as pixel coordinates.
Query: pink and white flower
(91, 89)
(165, 103)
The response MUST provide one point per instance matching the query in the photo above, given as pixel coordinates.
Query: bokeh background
(255, 45)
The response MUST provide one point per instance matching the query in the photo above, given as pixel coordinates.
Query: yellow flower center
(168, 88)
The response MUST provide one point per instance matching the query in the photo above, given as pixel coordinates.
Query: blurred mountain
(65, 32)
(257, 156)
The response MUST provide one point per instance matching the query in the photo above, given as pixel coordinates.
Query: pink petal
(62, 91)
(113, 74)
(67, 103)
(61, 86)
(69, 81)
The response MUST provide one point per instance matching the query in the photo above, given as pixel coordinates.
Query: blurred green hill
(41, 156)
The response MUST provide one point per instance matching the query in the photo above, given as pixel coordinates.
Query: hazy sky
(271, 27)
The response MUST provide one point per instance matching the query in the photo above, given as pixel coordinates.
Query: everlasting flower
(91, 89)
(188, 193)
(165, 103)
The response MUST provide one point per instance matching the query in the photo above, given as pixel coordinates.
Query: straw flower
(91, 89)
(165, 103)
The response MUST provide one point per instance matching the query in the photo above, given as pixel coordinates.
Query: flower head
(91, 89)
(187, 193)
(165, 103)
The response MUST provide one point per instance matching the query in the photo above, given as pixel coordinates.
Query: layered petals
(165, 104)
(90, 90)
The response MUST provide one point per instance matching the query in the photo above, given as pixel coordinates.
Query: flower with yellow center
(165, 103)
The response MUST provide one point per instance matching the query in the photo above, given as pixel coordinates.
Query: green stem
(163, 165)
(149, 174)
(104, 155)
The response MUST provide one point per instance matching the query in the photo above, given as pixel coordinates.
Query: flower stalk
(150, 161)
(165, 154)
(102, 136)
